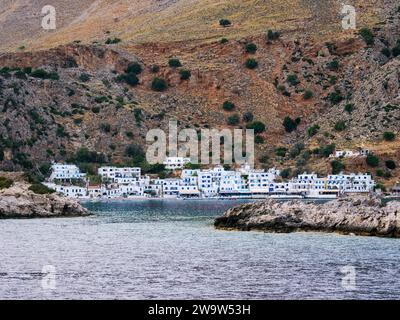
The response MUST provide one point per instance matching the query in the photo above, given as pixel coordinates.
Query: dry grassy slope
(171, 20)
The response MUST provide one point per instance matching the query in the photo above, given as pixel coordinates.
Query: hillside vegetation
(309, 85)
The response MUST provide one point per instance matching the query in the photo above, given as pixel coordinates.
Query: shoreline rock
(18, 202)
(359, 215)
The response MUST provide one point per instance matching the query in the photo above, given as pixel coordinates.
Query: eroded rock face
(357, 215)
(19, 202)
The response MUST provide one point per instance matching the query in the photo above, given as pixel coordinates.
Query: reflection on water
(169, 249)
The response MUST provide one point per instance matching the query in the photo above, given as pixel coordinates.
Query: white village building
(216, 182)
(175, 163)
(113, 173)
(260, 181)
(65, 172)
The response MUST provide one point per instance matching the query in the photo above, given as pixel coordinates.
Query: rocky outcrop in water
(356, 215)
(19, 202)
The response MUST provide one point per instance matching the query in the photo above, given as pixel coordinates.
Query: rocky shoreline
(361, 215)
(18, 201)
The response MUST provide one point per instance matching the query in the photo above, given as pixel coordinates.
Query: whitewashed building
(94, 192)
(175, 163)
(171, 187)
(350, 153)
(233, 182)
(68, 191)
(260, 181)
(351, 183)
(65, 172)
(112, 173)
(189, 191)
(208, 183)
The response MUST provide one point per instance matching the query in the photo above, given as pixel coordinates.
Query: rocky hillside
(342, 87)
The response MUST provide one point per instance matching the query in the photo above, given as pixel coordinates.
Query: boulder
(20, 202)
(360, 215)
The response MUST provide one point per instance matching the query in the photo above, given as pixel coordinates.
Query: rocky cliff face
(19, 202)
(354, 215)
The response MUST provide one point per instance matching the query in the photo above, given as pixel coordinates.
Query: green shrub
(372, 161)
(308, 95)
(36, 117)
(224, 22)
(389, 136)
(380, 173)
(39, 73)
(333, 65)
(224, 40)
(257, 126)
(259, 140)
(138, 113)
(337, 167)
(84, 77)
(228, 106)
(159, 84)
(84, 155)
(174, 63)
(390, 164)
(386, 52)
(349, 108)
(39, 188)
(285, 173)
(45, 169)
(5, 183)
(293, 80)
(396, 50)
(185, 74)
(42, 74)
(296, 150)
(96, 109)
(136, 153)
(273, 35)
(129, 134)
(368, 36)
(335, 97)
(281, 152)
(251, 63)
(313, 130)
(234, 120)
(131, 79)
(340, 126)
(78, 121)
(154, 68)
(380, 186)
(105, 127)
(134, 68)
(251, 48)
(60, 132)
(290, 124)
(327, 150)
(248, 116)
(113, 40)
(101, 99)
(20, 75)
(27, 70)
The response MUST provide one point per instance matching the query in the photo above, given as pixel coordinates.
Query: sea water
(170, 250)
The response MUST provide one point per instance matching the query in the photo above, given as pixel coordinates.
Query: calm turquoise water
(170, 250)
